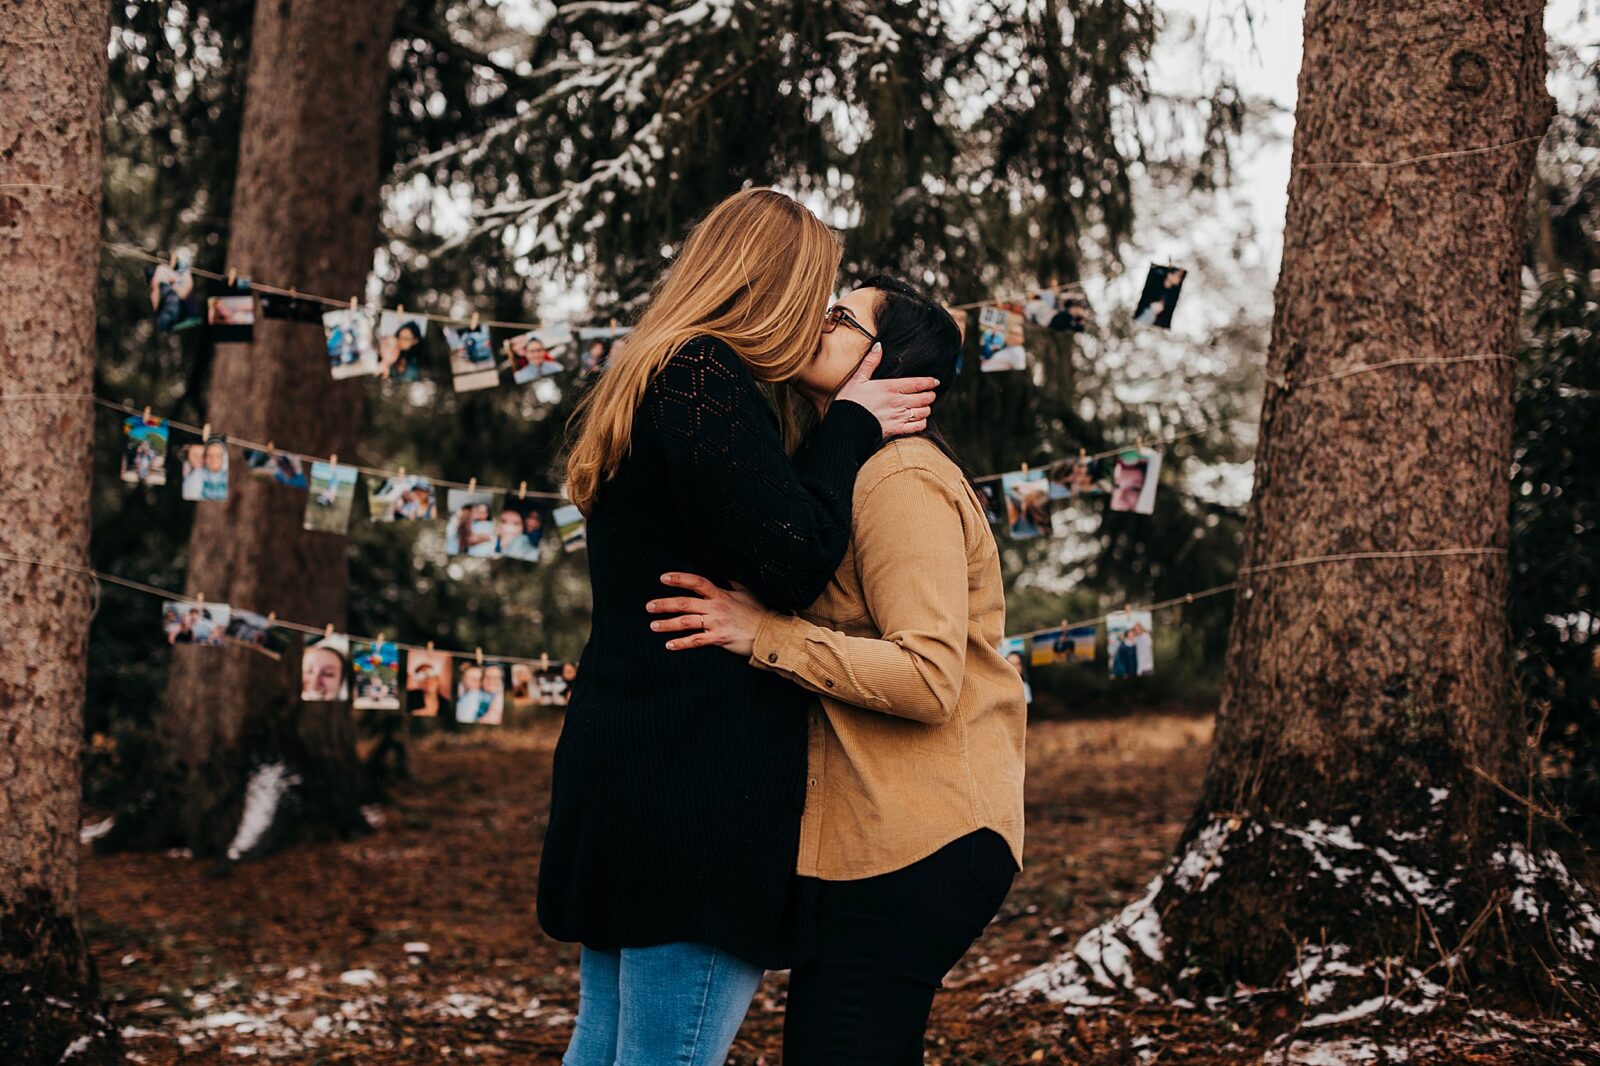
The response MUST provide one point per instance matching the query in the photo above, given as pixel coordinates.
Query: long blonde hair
(755, 273)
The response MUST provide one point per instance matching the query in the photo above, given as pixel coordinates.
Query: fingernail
(655, 625)
(650, 606)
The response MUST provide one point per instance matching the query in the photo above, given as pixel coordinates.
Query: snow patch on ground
(267, 786)
(1353, 1051)
(90, 833)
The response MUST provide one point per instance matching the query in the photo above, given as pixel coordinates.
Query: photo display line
(1264, 568)
(274, 620)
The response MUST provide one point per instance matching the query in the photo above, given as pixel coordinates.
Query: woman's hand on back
(714, 617)
(901, 405)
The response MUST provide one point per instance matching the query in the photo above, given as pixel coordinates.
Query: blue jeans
(670, 1005)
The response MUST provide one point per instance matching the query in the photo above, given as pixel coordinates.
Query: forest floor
(419, 943)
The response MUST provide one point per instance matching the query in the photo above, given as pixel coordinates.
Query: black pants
(885, 943)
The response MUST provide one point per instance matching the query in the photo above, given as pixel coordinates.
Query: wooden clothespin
(272, 450)
(147, 416)
(430, 645)
(1188, 597)
(294, 293)
(327, 633)
(333, 460)
(272, 619)
(200, 599)
(401, 310)
(477, 653)
(473, 324)
(1083, 455)
(172, 261)
(472, 484)
(205, 431)
(355, 302)
(544, 660)
(379, 642)
(522, 490)
(400, 473)
(613, 325)
(1024, 468)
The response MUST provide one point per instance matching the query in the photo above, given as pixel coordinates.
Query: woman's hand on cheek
(710, 617)
(901, 405)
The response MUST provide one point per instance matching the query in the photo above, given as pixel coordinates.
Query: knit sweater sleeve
(778, 528)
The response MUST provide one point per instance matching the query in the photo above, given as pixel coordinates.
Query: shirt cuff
(779, 641)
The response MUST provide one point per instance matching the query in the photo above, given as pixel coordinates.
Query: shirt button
(772, 657)
(812, 782)
(827, 682)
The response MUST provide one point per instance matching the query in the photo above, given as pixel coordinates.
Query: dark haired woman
(913, 814)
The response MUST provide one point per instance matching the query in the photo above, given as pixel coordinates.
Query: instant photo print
(404, 499)
(1134, 478)
(1027, 504)
(400, 347)
(290, 308)
(519, 527)
(992, 491)
(481, 692)
(256, 632)
(1000, 338)
(598, 345)
(375, 666)
(430, 677)
(276, 467)
(537, 354)
(472, 364)
(571, 527)
(205, 469)
(351, 351)
(470, 527)
(1130, 648)
(194, 622)
(232, 315)
(173, 298)
(1160, 297)
(144, 450)
(325, 668)
(331, 497)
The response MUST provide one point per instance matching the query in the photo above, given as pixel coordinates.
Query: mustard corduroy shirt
(919, 736)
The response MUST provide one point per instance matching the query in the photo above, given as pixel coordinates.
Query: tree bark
(305, 213)
(1350, 847)
(52, 89)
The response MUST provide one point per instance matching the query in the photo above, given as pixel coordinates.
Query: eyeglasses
(839, 314)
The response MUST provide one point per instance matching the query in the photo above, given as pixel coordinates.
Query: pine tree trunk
(52, 88)
(1349, 847)
(305, 213)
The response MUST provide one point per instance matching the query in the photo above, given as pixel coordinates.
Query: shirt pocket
(841, 602)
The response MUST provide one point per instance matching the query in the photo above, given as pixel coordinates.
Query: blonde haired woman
(679, 781)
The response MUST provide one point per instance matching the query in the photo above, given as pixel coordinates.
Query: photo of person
(351, 352)
(519, 527)
(1016, 653)
(232, 317)
(521, 695)
(322, 668)
(400, 348)
(1058, 646)
(376, 666)
(1079, 477)
(598, 345)
(255, 632)
(144, 450)
(205, 469)
(332, 495)
(1065, 310)
(1027, 504)
(290, 308)
(992, 491)
(192, 622)
(471, 528)
(404, 499)
(1160, 296)
(552, 685)
(1134, 481)
(1000, 338)
(1080, 644)
(472, 362)
(537, 354)
(172, 297)
(1129, 647)
(281, 469)
(571, 527)
(429, 676)
(481, 693)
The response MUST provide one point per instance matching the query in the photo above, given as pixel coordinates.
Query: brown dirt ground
(310, 956)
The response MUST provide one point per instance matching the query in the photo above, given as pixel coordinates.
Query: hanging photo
(351, 351)
(481, 693)
(552, 684)
(332, 495)
(1027, 504)
(522, 695)
(276, 467)
(571, 527)
(404, 499)
(1065, 310)
(172, 297)
(1015, 652)
(376, 666)
(323, 668)
(1134, 480)
(429, 676)
(144, 450)
(1129, 646)
(472, 362)
(291, 308)
(598, 345)
(193, 622)
(471, 527)
(992, 492)
(205, 469)
(1080, 477)
(537, 354)
(1000, 340)
(519, 527)
(1160, 297)
(1058, 646)
(400, 348)
(232, 316)
(255, 632)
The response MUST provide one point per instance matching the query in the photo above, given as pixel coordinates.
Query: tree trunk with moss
(305, 212)
(1353, 847)
(52, 87)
